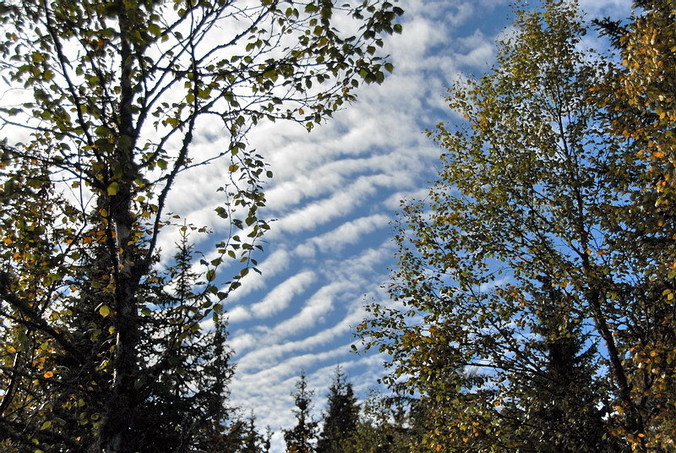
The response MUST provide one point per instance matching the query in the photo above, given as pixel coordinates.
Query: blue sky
(334, 194)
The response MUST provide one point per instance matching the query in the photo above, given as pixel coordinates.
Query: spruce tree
(341, 417)
(302, 437)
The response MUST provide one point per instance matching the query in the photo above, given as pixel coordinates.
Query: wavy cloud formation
(334, 195)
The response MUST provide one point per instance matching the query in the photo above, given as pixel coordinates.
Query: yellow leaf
(48, 374)
(104, 310)
(113, 189)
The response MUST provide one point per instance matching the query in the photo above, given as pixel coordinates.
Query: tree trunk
(120, 409)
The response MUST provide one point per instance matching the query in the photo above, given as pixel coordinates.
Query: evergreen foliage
(341, 417)
(388, 424)
(302, 437)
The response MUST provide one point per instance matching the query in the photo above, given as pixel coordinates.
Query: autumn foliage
(533, 303)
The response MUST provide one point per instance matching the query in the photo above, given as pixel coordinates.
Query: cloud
(279, 298)
(276, 300)
(334, 194)
(273, 350)
(349, 233)
(479, 51)
(607, 8)
(238, 314)
(275, 262)
(340, 204)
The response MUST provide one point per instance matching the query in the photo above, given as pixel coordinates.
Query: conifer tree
(341, 416)
(302, 437)
(387, 424)
(252, 440)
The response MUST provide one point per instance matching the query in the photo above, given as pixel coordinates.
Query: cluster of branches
(533, 305)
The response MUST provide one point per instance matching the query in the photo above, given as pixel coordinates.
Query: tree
(520, 293)
(387, 424)
(253, 441)
(341, 417)
(301, 438)
(242, 437)
(191, 369)
(104, 103)
(639, 99)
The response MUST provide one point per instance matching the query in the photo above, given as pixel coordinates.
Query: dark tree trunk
(117, 432)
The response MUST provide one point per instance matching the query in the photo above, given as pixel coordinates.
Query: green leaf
(113, 189)
(104, 311)
(102, 131)
(271, 74)
(154, 29)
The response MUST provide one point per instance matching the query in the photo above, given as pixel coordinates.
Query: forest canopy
(533, 304)
(533, 301)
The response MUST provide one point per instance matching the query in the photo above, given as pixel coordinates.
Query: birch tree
(102, 104)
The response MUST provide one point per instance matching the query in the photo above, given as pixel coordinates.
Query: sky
(334, 195)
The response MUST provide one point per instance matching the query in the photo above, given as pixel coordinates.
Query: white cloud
(238, 314)
(279, 297)
(268, 350)
(274, 263)
(334, 194)
(349, 233)
(479, 51)
(339, 204)
(311, 315)
(606, 8)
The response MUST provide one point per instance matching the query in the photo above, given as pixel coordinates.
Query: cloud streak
(333, 198)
